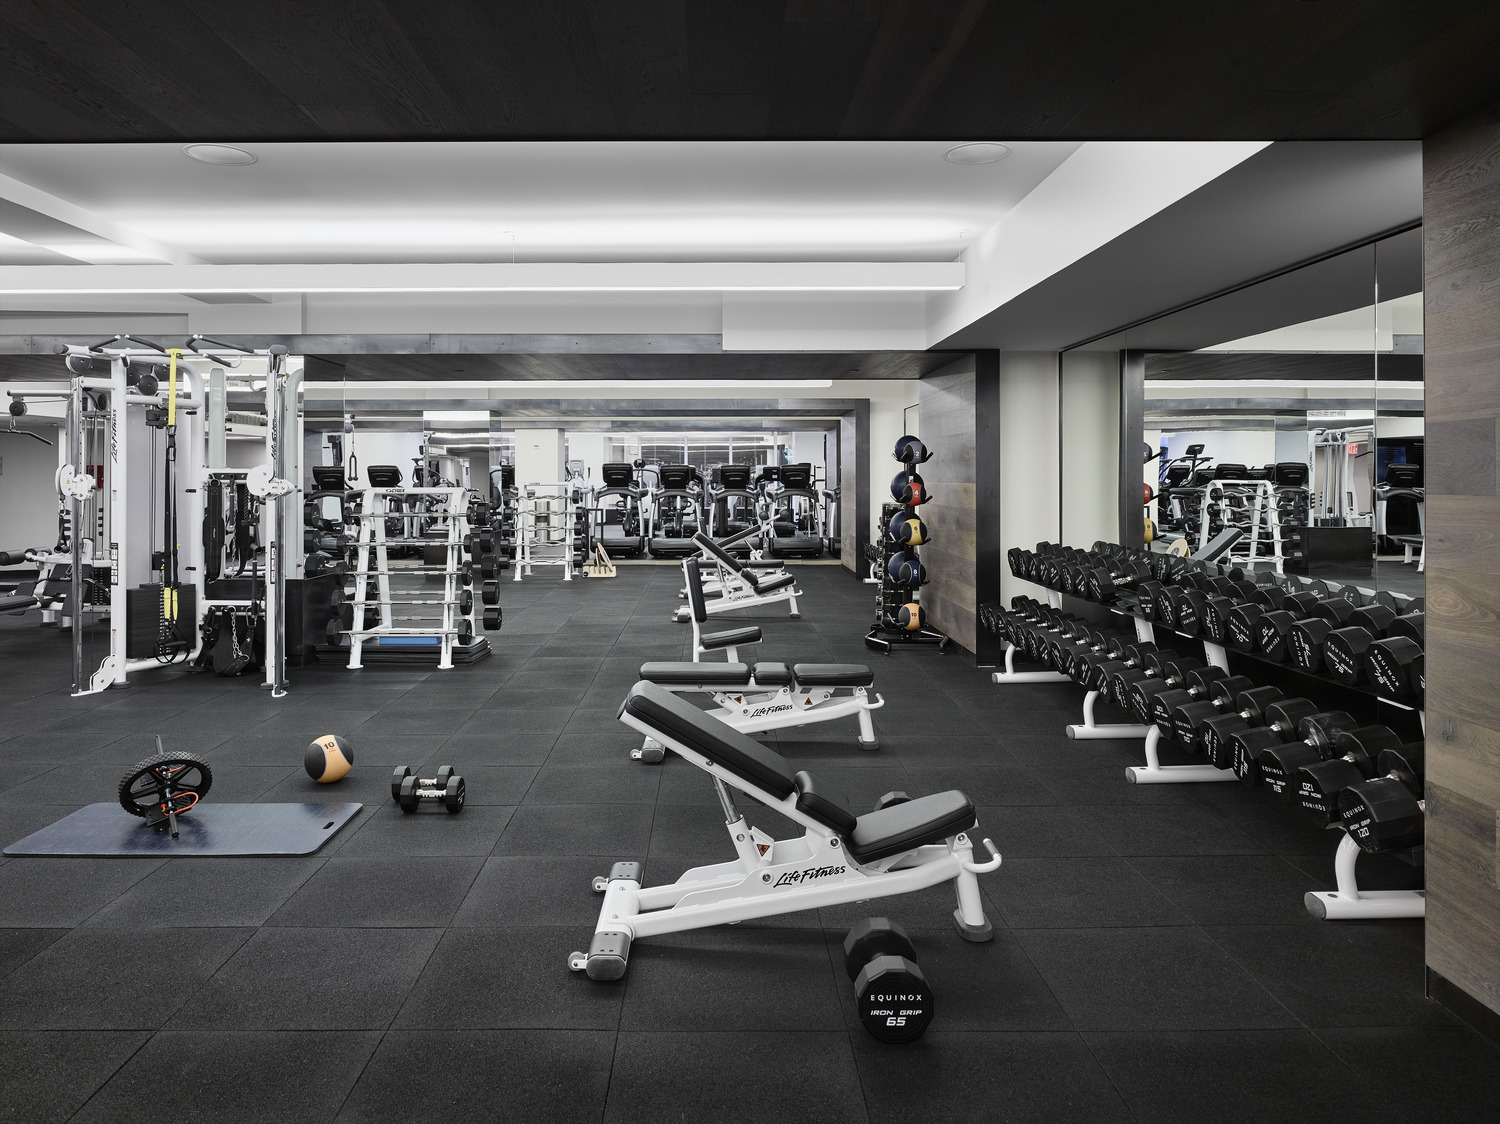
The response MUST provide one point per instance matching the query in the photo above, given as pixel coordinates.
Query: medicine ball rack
(899, 617)
(1347, 901)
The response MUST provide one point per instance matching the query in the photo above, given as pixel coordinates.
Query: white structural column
(1029, 485)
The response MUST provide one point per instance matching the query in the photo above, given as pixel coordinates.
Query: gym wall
(947, 403)
(1089, 464)
(1461, 245)
(1030, 490)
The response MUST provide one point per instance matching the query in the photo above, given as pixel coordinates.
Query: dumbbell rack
(372, 560)
(528, 526)
(1264, 526)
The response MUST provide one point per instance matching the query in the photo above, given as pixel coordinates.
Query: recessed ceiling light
(221, 154)
(980, 152)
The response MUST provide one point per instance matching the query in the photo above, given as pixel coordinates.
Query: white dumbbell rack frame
(529, 541)
(373, 559)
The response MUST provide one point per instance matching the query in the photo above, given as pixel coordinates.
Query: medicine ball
(328, 759)
(908, 488)
(910, 450)
(906, 571)
(911, 617)
(908, 529)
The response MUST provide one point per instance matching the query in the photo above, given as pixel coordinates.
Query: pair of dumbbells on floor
(409, 790)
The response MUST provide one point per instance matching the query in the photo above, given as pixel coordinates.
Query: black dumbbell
(1286, 720)
(489, 592)
(1104, 582)
(1281, 764)
(890, 992)
(493, 616)
(1316, 786)
(1153, 666)
(1171, 676)
(1345, 648)
(1305, 640)
(1215, 735)
(1117, 657)
(1386, 812)
(1196, 689)
(1389, 662)
(409, 790)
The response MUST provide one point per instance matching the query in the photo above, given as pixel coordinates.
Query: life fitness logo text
(793, 877)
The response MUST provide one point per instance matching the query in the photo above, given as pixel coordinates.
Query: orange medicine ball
(328, 759)
(911, 616)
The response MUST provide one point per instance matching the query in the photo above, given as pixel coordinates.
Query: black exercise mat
(213, 829)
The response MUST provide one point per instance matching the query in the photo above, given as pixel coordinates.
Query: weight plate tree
(898, 617)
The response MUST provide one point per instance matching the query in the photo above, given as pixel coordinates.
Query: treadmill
(796, 530)
(732, 505)
(618, 522)
(676, 504)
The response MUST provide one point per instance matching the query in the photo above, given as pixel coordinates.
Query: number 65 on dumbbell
(409, 790)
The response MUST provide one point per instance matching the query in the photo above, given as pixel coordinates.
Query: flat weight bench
(770, 696)
(841, 857)
(738, 585)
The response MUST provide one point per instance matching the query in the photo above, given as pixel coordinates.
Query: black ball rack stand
(901, 571)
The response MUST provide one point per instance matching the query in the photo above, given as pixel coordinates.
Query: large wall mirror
(1293, 411)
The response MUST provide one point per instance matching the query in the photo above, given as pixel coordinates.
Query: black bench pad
(16, 604)
(833, 675)
(731, 637)
(743, 756)
(772, 674)
(825, 803)
(770, 584)
(712, 674)
(927, 819)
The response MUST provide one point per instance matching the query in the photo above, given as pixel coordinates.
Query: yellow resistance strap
(174, 352)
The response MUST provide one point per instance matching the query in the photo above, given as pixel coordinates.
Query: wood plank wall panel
(948, 429)
(1461, 235)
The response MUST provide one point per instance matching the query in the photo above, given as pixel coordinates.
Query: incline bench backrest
(718, 552)
(690, 571)
(721, 744)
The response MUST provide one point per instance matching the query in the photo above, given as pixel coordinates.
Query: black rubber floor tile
(1168, 829)
(1056, 751)
(611, 830)
(696, 1077)
(259, 750)
(92, 979)
(520, 1075)
(1372, 872)
(989, 699)
(697, 831)
(1149, 979)
(1424, 1073)
(931, 908)
(1230, 889)
(48, 1075)
(374, 893)
(961, 1078)
(50, 891)
(622, 782)
(19, 945)
(18, 773)
(1093, 783)
(307, 727)
(1339, 973)
(603, 745)
(483, 978)
(918, 748)
(1234, 1075)
(429, 832)
(995, 785)
(311, 979)
(733, 979)
(1282, 830)
(976, 987)
(682, 783)
(95, 780)
(893, 719)
(516, 723)
(363, 784)
(1049, 892)
(230, 1073)
(216, 892)
(530, 891)
(439, 722)
(1020, 831)
(498, 747)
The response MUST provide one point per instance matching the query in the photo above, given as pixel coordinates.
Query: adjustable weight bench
(730, 640)
(841, 857)
(739, 585)
(770, 696)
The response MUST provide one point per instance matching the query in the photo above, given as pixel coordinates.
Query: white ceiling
(540, 201)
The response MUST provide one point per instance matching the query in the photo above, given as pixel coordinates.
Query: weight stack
(143, 619)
